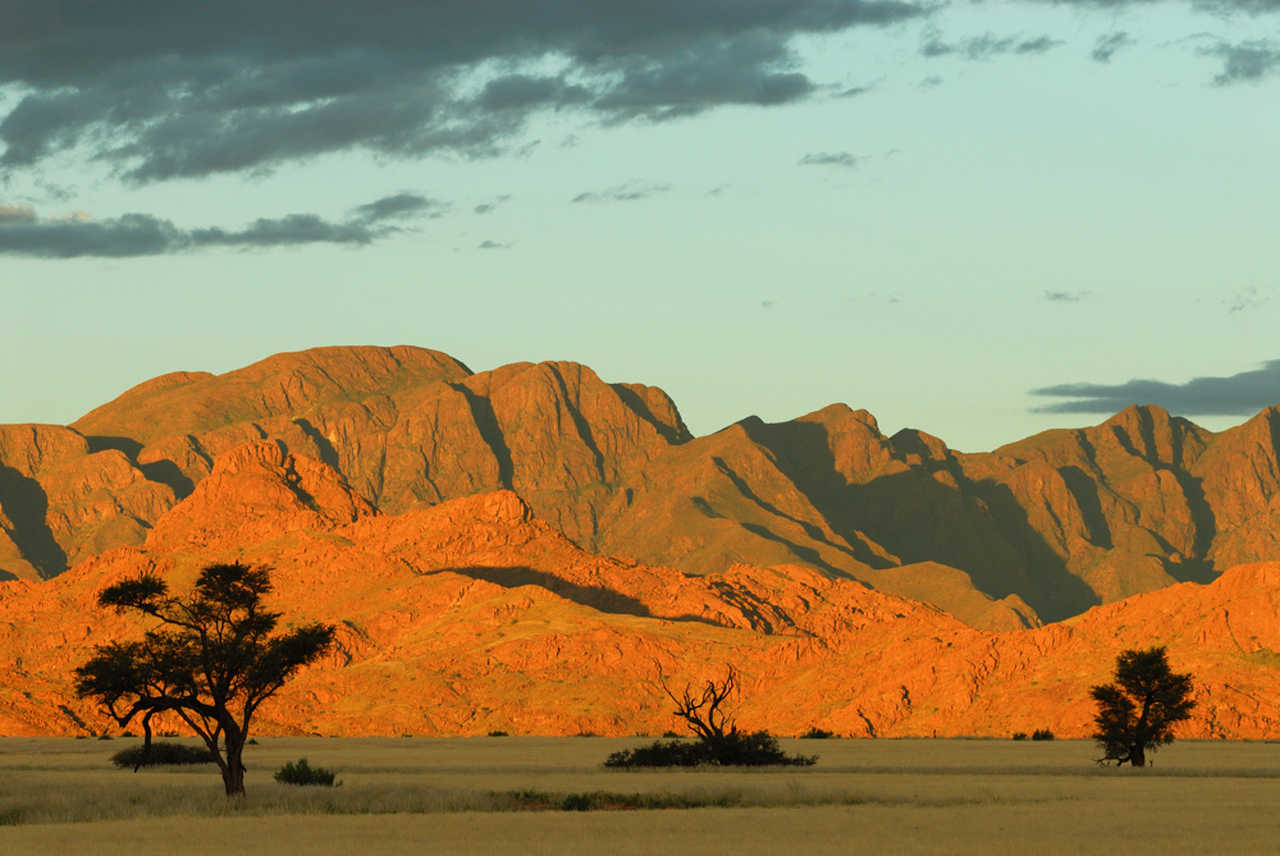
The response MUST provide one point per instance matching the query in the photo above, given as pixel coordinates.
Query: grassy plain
(506, 795)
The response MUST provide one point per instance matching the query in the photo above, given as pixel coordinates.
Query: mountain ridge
(1036, 530)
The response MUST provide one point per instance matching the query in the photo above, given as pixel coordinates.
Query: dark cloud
(986, 46)
(1245, 61)
(1109, 45)
(1228, 7)
(1238, 395)
(749, 70)
(158, 90)
(132, 235)
(1219, 7)
(1065, 296)
(399, 207)
(287, 231)
(844, 159)
(629, 192)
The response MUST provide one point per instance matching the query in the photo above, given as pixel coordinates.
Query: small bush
(161, 753)
(498, 734)
(1042, 734)
(736, 749)
(301, 773)
(669, 734)
(578, 802)
(105, 737)
(1019, 735)
(816, 733)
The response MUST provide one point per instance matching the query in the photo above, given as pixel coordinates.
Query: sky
(978, 219)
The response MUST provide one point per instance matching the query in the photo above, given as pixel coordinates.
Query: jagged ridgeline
(1037, 530)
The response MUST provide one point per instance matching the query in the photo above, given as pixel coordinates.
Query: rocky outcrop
(62, 500)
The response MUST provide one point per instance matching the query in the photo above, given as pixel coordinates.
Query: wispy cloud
(630, 192)
(400, 206)
(492, 205)
(1246, 299)
(133, 235)
(1241, 394)
(986, 46)
(843, 159)
(1109, 45)
(492, 245)
(1245, 62)
(1065, 296)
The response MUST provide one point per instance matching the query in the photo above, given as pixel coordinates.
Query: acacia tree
(1139, 710)
(705, 714)
(211, 659)
(719, 740)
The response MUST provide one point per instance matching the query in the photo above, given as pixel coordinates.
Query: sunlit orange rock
(476, 615)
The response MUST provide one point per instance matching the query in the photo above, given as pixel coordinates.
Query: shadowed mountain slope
(1039, 529)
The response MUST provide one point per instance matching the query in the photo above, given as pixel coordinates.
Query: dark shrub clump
(498, 734)
(816, 733)
(301, 773)
(736, 749)
(1019, 735)
(1042, 734)
(161, 753)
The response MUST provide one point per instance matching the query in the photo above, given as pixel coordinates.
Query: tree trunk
(1138, 755)
(233, 774)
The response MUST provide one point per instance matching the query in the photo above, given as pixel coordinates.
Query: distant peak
(839, 412)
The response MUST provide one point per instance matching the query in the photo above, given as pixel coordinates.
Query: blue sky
(977, 219)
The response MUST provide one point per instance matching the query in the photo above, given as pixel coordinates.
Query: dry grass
(505, 795)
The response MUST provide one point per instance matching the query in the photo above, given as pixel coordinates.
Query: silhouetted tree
(211, 660)
(705, 714)
(719, 740)
(1139, 710)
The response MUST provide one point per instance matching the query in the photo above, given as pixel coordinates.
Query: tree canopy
(1137, 712)
(211, 659)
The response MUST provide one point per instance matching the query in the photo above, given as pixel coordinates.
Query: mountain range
(521, 549)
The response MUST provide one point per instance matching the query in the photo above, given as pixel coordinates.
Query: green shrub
(161, 753)
(301, 773)
(1042, 734)
(578, 802)
(736, 749)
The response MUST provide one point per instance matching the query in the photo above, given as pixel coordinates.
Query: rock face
(475, 615)
(1040, 529)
